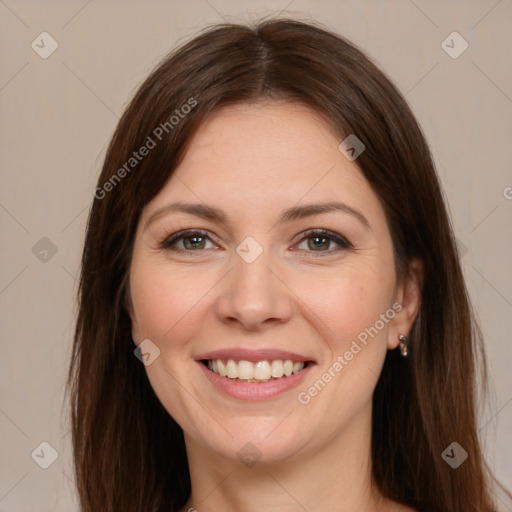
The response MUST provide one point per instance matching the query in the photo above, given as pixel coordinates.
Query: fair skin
(253, 161)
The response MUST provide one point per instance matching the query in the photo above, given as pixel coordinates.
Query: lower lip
(254, 390)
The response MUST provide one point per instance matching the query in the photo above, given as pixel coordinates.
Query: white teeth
(262, 370)
(297, 367)
(277, 369)
(245, 370)
(222, 368)
(252, 372)
(232, 369)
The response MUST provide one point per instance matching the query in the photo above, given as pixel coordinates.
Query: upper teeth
(262, 370)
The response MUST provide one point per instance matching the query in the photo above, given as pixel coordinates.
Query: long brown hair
(129, 453)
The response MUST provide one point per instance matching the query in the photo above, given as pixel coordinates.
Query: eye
(193, 240)
(320, 240)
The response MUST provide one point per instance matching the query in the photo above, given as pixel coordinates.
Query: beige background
(59, 113)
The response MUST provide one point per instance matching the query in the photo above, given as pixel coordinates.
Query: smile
(261, 371)
(254, 374)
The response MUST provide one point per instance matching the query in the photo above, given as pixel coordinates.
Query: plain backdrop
(58, 114)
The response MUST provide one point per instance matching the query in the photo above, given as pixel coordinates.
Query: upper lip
(244, 354)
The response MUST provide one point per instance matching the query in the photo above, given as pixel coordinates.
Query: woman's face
(257, 286)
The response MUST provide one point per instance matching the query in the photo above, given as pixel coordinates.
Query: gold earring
(403, 344)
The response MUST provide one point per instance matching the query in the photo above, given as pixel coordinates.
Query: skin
(253, 161)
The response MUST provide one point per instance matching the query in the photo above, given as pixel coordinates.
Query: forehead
(282, 137)
(268, 153)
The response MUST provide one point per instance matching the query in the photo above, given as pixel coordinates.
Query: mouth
(262, 371)
(254, 375)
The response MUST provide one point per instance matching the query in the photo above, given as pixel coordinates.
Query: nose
(254, 295)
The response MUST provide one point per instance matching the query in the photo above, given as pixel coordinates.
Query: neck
(333, 476)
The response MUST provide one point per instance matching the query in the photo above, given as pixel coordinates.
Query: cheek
(168, 308)
(165, 300)
(344, 303)
(348, 315)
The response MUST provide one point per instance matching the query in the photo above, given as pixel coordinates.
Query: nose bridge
(253, 293)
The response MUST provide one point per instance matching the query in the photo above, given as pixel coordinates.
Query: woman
(269, 238)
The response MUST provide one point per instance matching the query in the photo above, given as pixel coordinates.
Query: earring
(403, 344)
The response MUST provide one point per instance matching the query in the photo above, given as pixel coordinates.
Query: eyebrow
(291, 214)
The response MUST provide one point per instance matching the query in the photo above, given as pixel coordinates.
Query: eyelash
(170, 241)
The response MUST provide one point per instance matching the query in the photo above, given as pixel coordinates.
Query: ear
(128, 304)
(408, 295)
